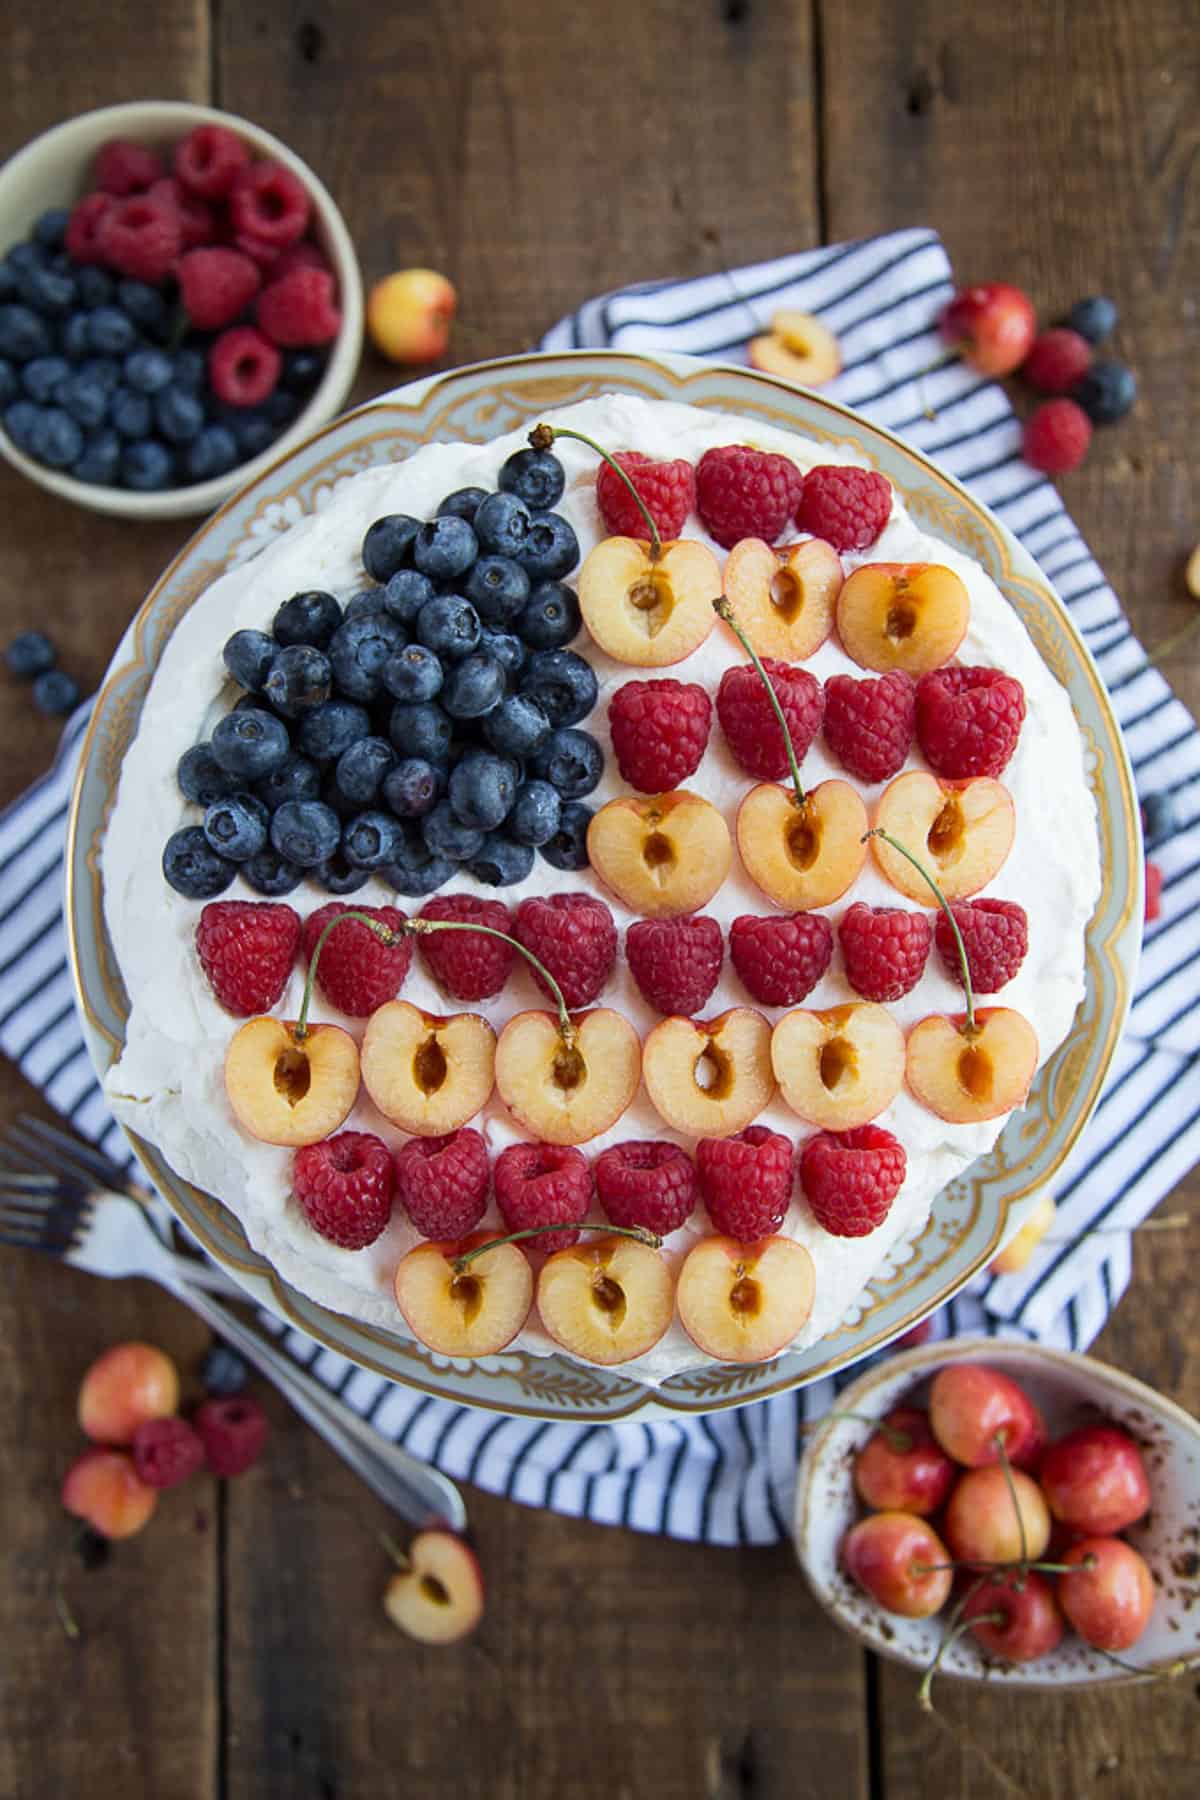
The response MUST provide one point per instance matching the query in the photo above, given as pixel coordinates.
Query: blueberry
(563, 685)
(418, 728)
(111, 332)
(446, 835)
(483, 787)
(328, 730)
(23, 257)
(8, 283)
(237, 827)
(1093, 318)
(130, 412)
(10, 387)
(1160, 819)
(517, 726)
(405, 595)
(191, 370)
(386, 547)
(449, 626)
(21, 423)
(473, 687)
(213, 452)
(280, 409)
(501, 524)
(551, 549)
(248, 656)
(370, 840)
(501, 861)
(302, 369)
(1106, 392)
(361, 768)
(148, 370)
(550, 618)
(414, 673)
(250, 743)
(100, 463)
(337, 876)
(463, 503)
(50, 292)
(505, 649)
(28, 655)
(535, 814)
(42, 376)
(192, 867)
(296, 778)
(201, 777)
(58, 440)
(105, 371)
(55, 693)
(96, 286)
(358, 651)
(413, 787)
(147, 466)
(309, 618)
(534, 476)
(415, 870)
(567, 849)
(445, 548)
(305, 832)
(85, 400)
(367, 600)
(570, 761)
(271, 874)
(252, 431)
(73, 336)
(145, 305)
(498, 588)
(299, 679)
(51, 228)
(179, 415)
(223, 1372)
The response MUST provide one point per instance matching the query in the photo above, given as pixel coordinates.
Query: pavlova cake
(634, 839)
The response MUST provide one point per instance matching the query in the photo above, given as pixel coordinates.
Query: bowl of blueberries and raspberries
(428, 726)
(180, 305)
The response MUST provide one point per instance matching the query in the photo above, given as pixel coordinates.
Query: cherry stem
(66, 1617)
(1168, 647)
(958, 1628)
(724, 611)
(1011, 1485)
(1009, 1568)
(541, 438)
(394, 1551)
(385, 936)
(923, 872)
(1170, 1673)
(895, 1439)
(422, 928)
(459, 1263)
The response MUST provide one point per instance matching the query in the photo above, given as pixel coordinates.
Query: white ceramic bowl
(53, 171)
(1070, 1390)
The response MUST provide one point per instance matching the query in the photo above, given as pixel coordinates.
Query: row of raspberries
(966, 721)
(248, 948)
(347, 1186)
(740, 492)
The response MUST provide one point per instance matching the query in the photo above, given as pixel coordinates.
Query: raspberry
(140, 238)
(263, 256)
(850, 1178)
(166, 1452)
(304, 255)
(675, 962)
(543, 1184)
(122, 168)
(83, 228)
(357, 973)
(748, 718)
(869, 724)
(246, 949)
(847, 507)
(216, 285)
(742, 493)
(208, 161)
(885, 949)
(781, 958)
(653, 1185)
(995, 935)
(269, 203)
(297, 309)
(1058, 360)
(1056, 437)
(233, 1433)
(574, 935)
(968, 720)
(468, 965)
(442, 1183)
(197, 224)
(1154, 883)
(659, 732)
(668, 489)
(746, 1181)
(343, 1187)
(243, 367)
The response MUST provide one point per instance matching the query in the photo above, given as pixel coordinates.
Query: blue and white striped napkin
(729, 1478)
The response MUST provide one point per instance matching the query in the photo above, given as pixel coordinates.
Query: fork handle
(410, 1487)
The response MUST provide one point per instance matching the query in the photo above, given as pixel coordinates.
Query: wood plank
(1055, 147)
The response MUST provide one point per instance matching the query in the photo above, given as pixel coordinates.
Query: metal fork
(66, 1198)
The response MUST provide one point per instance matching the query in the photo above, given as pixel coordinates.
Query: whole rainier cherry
(1095, 1480)
(901, 1562)
(971, 1407)
(901, 1467)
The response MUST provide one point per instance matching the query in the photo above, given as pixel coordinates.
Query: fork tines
(41, 1144)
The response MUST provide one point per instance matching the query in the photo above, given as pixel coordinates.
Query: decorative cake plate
(975, 1214)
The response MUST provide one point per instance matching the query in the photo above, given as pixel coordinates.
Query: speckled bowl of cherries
(180, 304)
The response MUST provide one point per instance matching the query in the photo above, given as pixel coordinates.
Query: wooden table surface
(539, 154)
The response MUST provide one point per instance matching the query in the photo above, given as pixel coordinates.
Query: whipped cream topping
(168, 1084)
